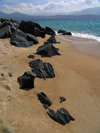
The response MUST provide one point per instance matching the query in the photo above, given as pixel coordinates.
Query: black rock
(32, 28)
(31, 56)
(26, 81)
(52, 39)
(44, 100)
(49, 31)
(10, 23)
(47, 50)
(4, 19)
(63, 32)
(10, 74)
(21, 39)
(5, 32)
(42, 70)
(62, 99)
(61, 116)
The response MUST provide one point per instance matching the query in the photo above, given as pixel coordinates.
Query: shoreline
(87, 46)
(77, 79)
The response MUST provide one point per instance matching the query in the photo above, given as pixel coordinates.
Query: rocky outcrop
(52, 39)
(21, 39)
(49, 31)
(63, 32)
(62, 116)
(47, 50)
(44, 100)
(42, 70)
(26, 81)
(32, 28)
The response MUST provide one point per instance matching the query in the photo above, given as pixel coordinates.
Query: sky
(46, 7)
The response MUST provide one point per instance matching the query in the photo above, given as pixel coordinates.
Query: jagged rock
(42, 70)
(63, 32)
(44, 100)
(61, 116)
(52, 39)
(10, 23)
(62, 99)
(4, 19)
(49, 31)
(5, 32)
(32, 28)
(21, 39)
(26, 81)
(47, 50)
(31, 56)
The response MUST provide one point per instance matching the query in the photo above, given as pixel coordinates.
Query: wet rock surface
(63, 32)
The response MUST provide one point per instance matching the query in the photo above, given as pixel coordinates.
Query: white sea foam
(88, 36)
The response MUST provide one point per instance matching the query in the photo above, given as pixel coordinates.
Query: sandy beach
(77, 78)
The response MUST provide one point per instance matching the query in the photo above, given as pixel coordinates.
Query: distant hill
(2, 14)
(89, 11)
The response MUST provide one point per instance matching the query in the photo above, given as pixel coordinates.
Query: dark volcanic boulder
(21, 39)
(32, 28)
(42, 70)
(61, 116)
(49, 31)
(47, 50)
(44, 100)
(5, 32)
(63, 32)
(52, 39)
(26, 81)
(10, 23)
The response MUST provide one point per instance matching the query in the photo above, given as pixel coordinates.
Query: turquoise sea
(80, 27)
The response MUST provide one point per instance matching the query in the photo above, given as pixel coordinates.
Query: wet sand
(77, 79)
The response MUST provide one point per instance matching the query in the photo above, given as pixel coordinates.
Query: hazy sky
(46, 7)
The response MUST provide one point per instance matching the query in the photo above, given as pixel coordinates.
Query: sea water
(79, 27)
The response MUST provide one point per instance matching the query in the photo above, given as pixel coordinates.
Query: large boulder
(49, 31)
(10, 23)
(42, 70)
(21, 39)
(44, 100)
(62, 116)
(26, 81)
(63, 32)
(47, 50)
(52, 39)
(32, 28)
(5, 32)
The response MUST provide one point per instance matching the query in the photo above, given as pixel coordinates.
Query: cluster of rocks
(24, 34)
(61, 116)
(63, 32)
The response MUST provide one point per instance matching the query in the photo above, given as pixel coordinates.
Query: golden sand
(77, 79)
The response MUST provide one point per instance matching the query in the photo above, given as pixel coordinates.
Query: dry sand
(77, 79)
